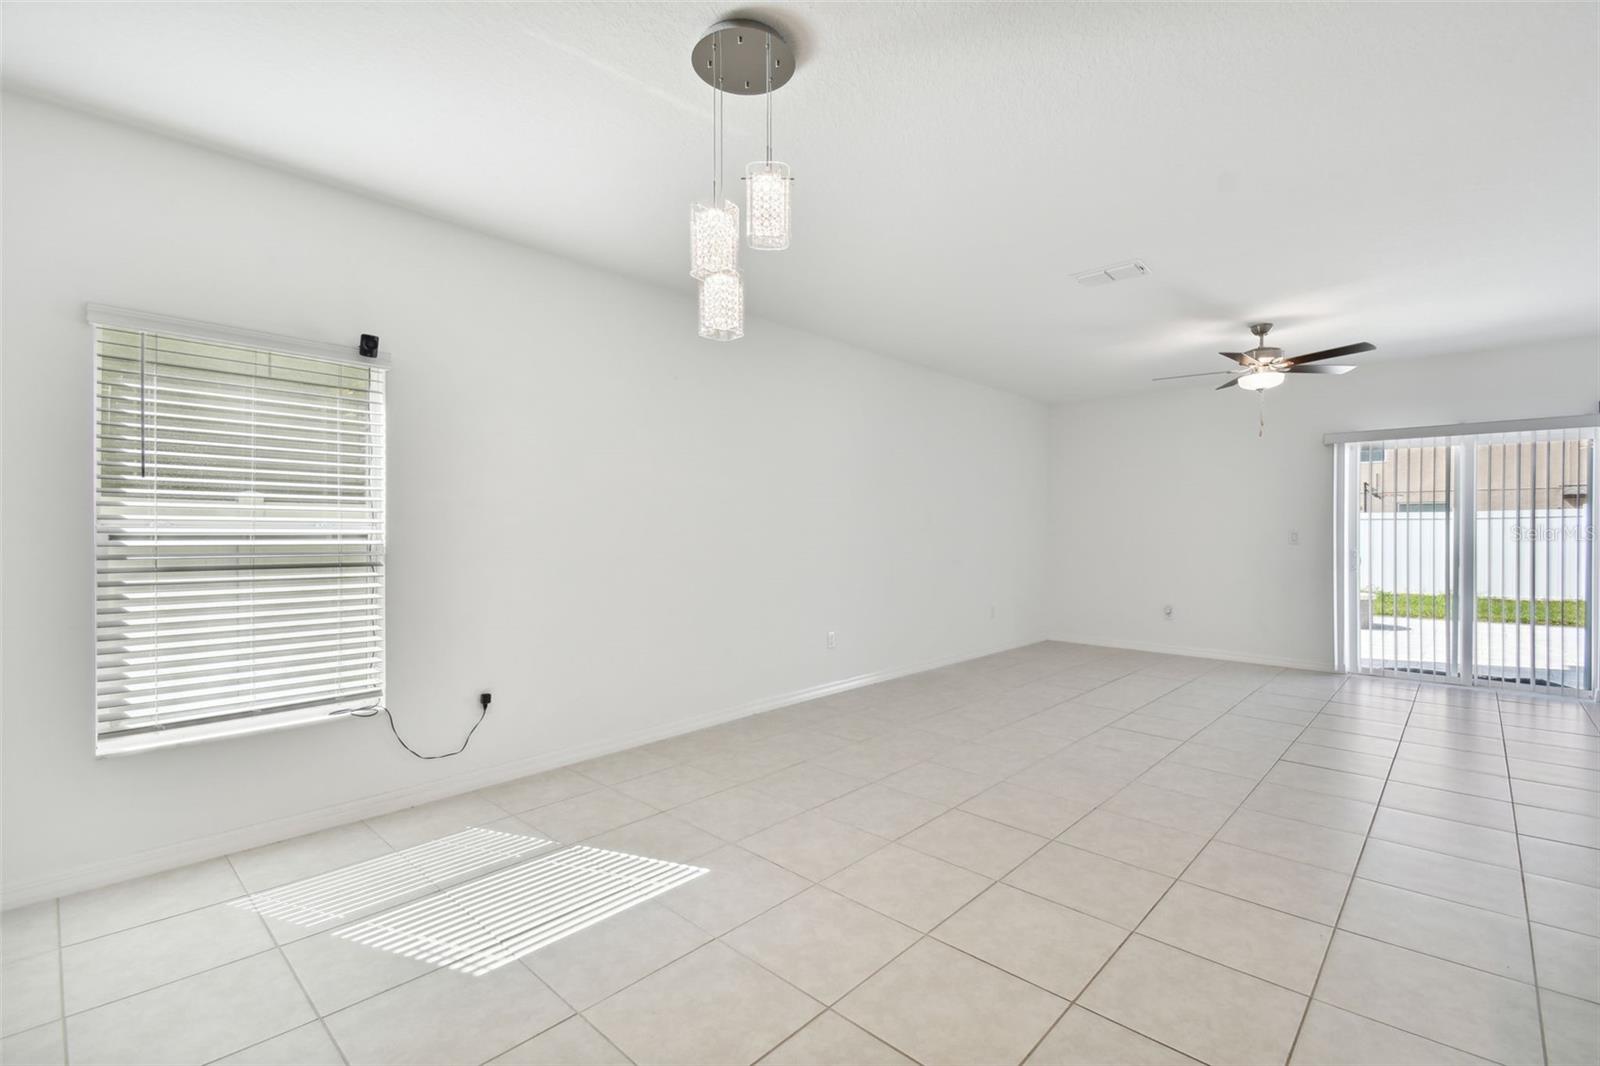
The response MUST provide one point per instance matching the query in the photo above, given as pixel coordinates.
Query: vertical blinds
(1534, 523)
(1473, 557)
(239, 538)
(1408, 546)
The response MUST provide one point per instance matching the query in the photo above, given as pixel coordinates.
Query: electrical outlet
(1294, 537)
(833, 639)
(1167, 611)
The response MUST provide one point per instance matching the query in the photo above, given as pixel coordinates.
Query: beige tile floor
(1059, 854)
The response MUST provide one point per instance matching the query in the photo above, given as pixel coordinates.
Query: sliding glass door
(1535, 555)
(1469, 558)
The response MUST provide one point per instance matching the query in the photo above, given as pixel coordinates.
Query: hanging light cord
(717, 109)
(769, 100)
(722, 151)
(713, 130)
(714, 95)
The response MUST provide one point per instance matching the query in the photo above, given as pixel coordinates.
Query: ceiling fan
(1265, 368)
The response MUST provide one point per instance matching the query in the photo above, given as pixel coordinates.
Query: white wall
(620, 529)
(1170, 498)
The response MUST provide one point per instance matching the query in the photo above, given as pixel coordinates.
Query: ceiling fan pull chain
(1261, 427)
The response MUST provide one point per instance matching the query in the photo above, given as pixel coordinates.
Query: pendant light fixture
(746, 58)
(766, 187)
(722, 306)
(714, 226)
(714, 238)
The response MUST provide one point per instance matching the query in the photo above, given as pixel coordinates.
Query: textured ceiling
(1419, 175)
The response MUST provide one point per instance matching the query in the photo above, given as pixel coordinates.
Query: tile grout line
(1345, 899)
(1424, 954)
(284, 958)
(765, 1055)
(61, 983)
(921, 935)
(1112, 954)
(929, 934)
(573, 1012)
(1378, 940)
(1527, 911)
(1476, 795)
(882, 781)
(925, 935)
(1442, 854)
(811, 883)
(1278, 910)
(563, 1020)
(1152, 908)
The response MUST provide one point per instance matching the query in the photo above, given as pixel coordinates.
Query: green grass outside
(1490, 608)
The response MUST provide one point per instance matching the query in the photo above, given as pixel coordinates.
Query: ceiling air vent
(1115, 272)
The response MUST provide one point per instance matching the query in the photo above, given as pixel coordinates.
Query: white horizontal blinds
(239, 538)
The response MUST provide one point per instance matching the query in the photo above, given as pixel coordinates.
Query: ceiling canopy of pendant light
(739, 46)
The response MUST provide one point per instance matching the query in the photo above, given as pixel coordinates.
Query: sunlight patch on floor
(353, 890)
(482, 925)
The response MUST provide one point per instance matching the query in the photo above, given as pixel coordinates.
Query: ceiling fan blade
(1230, 384)
(1238, 357)
(1331, 353)
(1320, 369)
(1206, 374)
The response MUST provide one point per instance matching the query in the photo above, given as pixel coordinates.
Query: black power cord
(483, 703)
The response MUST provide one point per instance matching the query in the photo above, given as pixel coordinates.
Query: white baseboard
(97, 875)
(1323, 666)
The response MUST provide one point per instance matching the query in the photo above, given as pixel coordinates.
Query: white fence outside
(1538, 554)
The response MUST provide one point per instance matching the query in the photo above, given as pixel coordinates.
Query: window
(239, 532)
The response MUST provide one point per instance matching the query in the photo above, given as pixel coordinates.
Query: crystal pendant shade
(713, 239)
(722, 306)
(766, 189)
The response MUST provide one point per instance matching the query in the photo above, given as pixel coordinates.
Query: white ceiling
(1422, 176)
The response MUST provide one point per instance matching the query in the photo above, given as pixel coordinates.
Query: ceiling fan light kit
(1259, 380)
(746, 58)
(1264, 367)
